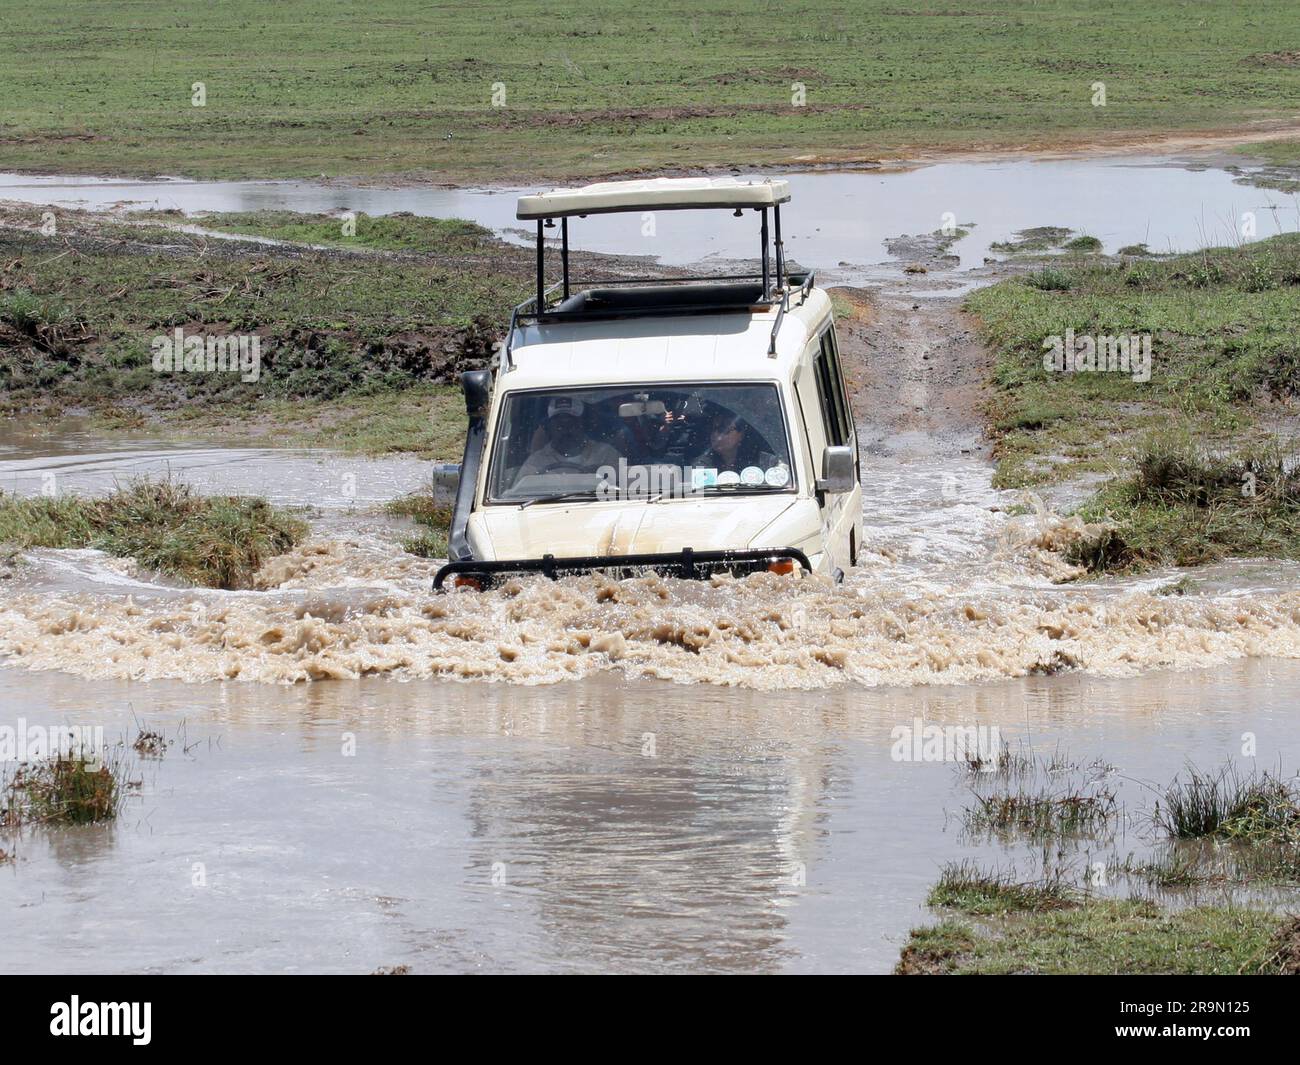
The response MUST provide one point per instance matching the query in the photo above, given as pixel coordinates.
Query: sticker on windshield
(703, 476)
(728, 477)
(777, 476)
(751, 475)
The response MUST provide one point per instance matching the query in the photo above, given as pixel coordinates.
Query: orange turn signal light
(783, 566)
(463, 581)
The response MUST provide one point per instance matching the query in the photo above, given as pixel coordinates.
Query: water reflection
(628, 826)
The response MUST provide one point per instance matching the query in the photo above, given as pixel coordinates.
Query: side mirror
(839, 470)
(478, 391)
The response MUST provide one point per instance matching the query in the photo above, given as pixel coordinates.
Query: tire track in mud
(917, 373)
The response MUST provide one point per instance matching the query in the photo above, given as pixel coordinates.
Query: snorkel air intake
(478, 394)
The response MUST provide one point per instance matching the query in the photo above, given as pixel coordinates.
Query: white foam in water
(949, 591)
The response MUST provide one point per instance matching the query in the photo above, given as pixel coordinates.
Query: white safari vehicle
(686, 426)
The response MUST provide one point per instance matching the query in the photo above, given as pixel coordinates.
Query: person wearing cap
(568, 448)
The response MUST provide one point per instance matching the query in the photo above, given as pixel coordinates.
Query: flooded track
(951, 589)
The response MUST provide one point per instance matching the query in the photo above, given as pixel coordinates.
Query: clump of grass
(1022, 762)
(1103, 551)
(28, 312)
(426, 545)
(1067, 807)
(43, 321)
(964, 886)
(1181, 505)
(1083, 244)
(1137, 251)
(936, 950)
(1050, 279)
(217, 541)
(430, 511)
(1170, 470)
(69, 790)
(1040, 815)
(1006, 763)
(1035, 239)
(1255, 807)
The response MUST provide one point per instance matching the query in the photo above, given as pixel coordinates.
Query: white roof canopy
(660, 194)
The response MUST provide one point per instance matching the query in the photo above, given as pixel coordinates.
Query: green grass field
(302, 88)
(1222, 323)
(1196, 471)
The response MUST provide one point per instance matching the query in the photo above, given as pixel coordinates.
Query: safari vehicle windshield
(640, 441)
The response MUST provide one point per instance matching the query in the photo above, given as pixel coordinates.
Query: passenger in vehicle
(733, 446)
(568, 448)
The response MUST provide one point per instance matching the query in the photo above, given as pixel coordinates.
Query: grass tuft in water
(1083, 244)
(64, 790)
(965, 887)
(427, 510)
(216, 541)
(1256, 807)
(1040, 815)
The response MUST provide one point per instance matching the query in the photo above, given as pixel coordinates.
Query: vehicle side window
(830, 392)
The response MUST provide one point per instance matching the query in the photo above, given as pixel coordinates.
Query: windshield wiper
(559, 497)
(735, 489)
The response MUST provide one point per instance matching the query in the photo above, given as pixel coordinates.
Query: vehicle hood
(625, 528)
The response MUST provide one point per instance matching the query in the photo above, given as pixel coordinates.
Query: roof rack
(657, 194)
(805, 287)
(663, 296)
(724, 293)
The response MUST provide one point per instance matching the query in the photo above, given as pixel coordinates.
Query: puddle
(289, 477)
(838, 222)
